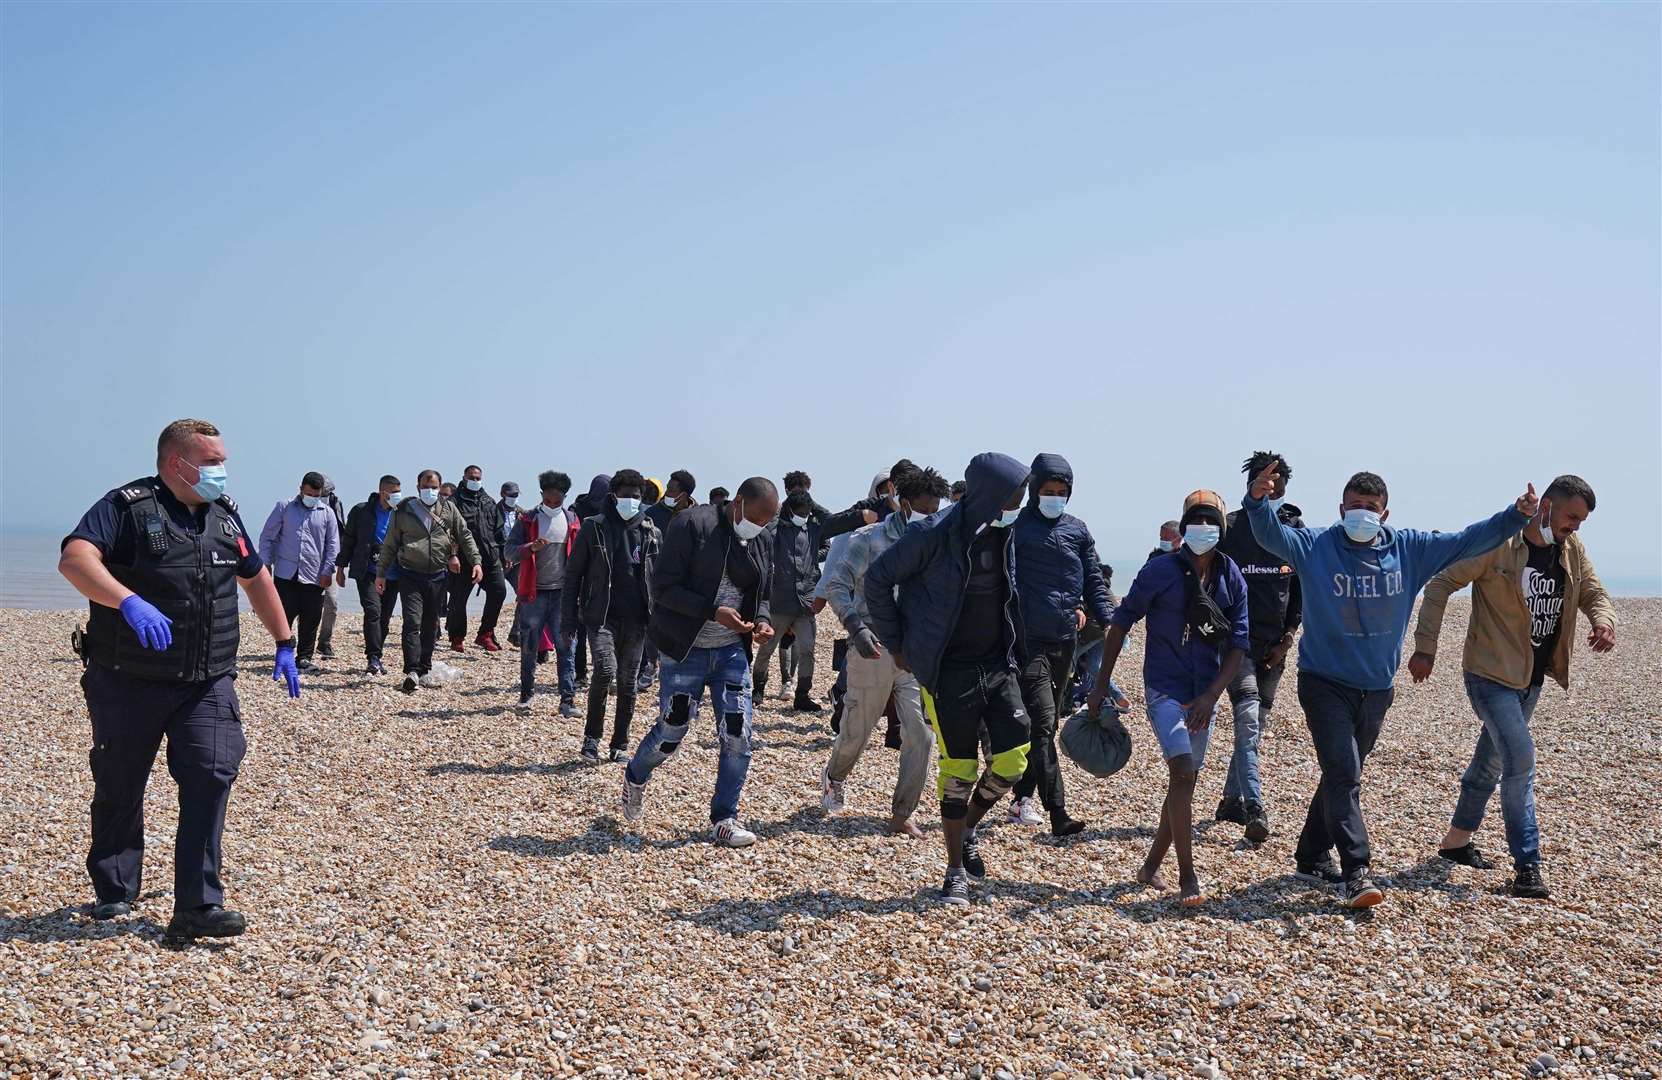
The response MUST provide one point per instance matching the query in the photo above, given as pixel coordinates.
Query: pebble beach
(436, 886)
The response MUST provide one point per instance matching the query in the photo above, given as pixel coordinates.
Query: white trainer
(729, 833)
(830, 792)
(1026, 812)
(634, 796)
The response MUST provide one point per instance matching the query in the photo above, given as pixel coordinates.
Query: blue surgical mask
(1051, 506)
(1167, 545)
(210, 481)
(628, 508)
(395, 498)
(429, 496)
(1201, 538)
(310, 501)
(1006, 519)
(1361, 525)
(798, 520)
(473, 485)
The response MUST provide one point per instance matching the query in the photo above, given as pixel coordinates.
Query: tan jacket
(1497, 637)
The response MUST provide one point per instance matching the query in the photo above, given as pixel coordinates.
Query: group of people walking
(965, 608)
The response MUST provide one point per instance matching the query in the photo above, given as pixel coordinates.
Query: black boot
(209, 920)
(1231, 809)
(759, 687)
(805, 699)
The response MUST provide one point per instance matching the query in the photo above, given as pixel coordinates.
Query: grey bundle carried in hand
(1102, 746)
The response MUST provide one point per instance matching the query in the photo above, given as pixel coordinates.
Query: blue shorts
(1165, 716)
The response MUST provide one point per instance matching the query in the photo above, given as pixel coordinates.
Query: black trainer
(805, 700)
(1324, 871)
(1231, 809)
(1360, 890)
(1466, 855)
(113, 909)
(1528, 884)
(375, 667)
(209, 920)
(973, 865)
(1257, 823)
(955, 890)
(1063, 825)
(410, 684)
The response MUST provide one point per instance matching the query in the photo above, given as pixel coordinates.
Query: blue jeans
(1091, 658)
(1505, 754)
(1251, 694)
(726, 672)
(533, 615)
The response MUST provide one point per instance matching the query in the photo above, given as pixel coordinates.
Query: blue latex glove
(285, 671)
(154, 630)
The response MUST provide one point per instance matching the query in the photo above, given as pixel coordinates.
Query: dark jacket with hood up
(700, 544)
(930, 565)
(1058, 568)
(484, 521)
(589, 504)
(600, 556)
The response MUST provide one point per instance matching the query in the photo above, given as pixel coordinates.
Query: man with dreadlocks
(1273, 611)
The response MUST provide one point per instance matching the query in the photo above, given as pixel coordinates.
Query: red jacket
(525, 587)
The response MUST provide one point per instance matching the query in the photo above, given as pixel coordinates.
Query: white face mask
(508, 501)
(668, 500)
(799, 521)
(1006, 519)
(473, 485)
(310, 501)
(745, 529)
(628, 508)
(429, 496)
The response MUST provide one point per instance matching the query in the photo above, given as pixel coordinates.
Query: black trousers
(377, 614)
(1044, 687)
(967, 699)
(617, 657)
(422, 597)
(202, 723)
(303, 601)
(1344, 725)
(580, 652)
(461, 587)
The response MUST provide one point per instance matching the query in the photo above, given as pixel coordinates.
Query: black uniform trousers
(1044, 682)
(461, 587)
(202, 723)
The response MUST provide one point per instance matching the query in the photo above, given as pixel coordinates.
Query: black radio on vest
(190, 578)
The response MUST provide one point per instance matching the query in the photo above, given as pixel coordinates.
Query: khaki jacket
(414, 547)
(1497, 637)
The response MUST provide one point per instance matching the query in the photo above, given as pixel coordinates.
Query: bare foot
(1190, 894)
(905, 827)
(1152, 879)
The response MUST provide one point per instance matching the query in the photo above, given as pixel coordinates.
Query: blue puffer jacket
(930, 566)
(1058, 571)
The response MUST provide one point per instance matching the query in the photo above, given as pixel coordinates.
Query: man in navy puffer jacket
(1060, 583)
(942, 600)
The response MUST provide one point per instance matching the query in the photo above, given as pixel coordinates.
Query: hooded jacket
(1274, 601)
(602, 553)
(929, 565)
(588, 505)
(1360, 597)
(699, 546)
(1058, 569)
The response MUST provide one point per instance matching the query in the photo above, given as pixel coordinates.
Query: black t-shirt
(628, 587)
(982, 633)
(108, 527)
(1543, 593)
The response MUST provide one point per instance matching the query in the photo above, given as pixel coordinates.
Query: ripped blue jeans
(726, 672)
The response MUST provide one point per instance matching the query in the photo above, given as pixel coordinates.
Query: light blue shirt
(300, 543)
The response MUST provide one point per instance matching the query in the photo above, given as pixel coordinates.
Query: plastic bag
(1102, 746)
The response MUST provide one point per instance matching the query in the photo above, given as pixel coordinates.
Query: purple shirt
(300, 543)
(1176, 663)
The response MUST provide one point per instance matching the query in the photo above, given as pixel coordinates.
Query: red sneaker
(487, 642)
(458, 644)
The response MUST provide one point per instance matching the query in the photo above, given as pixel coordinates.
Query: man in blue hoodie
(1060, 582)
(1361, 579)
(942, 601)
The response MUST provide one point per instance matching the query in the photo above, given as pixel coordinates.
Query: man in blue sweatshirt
(1361, 577)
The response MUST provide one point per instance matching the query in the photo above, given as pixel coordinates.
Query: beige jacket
(1497, 637)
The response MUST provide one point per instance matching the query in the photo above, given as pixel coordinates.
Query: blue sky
(1419, 239)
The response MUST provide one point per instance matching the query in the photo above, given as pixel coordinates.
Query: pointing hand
(1528, 503)
(1264, 482)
